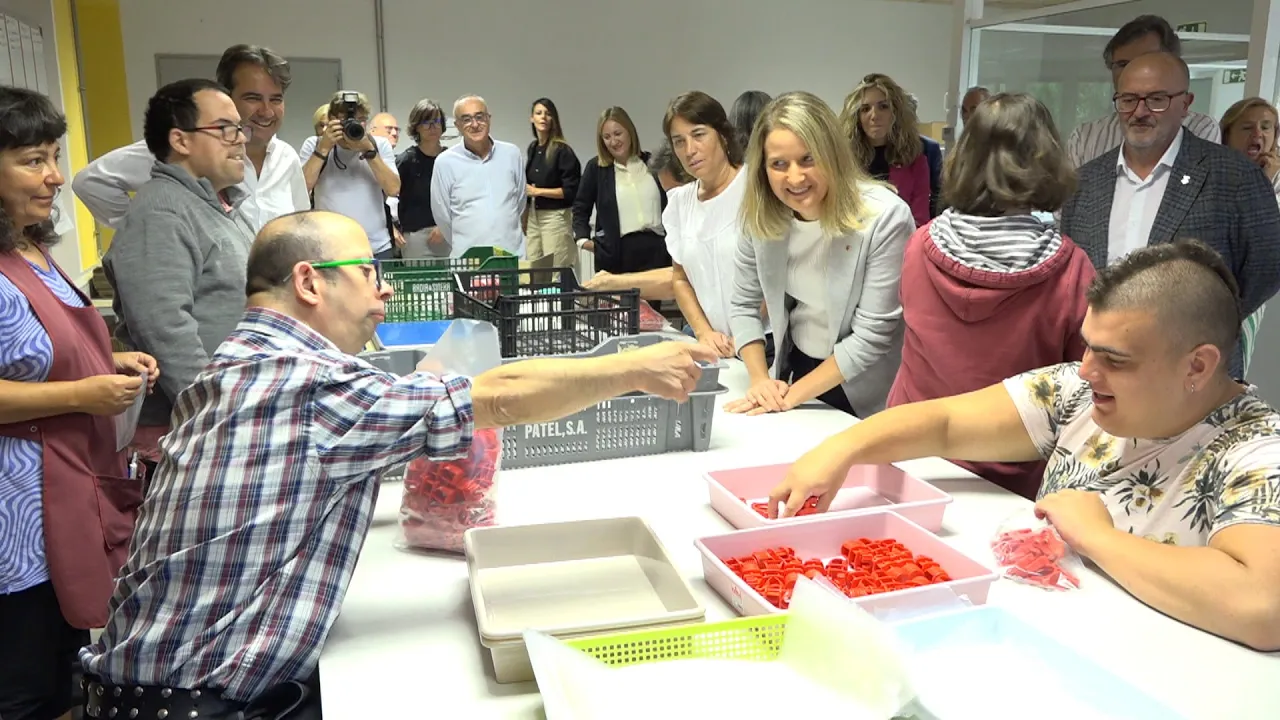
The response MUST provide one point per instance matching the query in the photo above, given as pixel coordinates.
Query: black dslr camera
(351, 125)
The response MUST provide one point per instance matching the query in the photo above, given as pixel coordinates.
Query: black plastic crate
(544, 311)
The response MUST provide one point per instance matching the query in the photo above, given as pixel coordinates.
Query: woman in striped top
(822, 247)
(1250, 127)
(989, 289)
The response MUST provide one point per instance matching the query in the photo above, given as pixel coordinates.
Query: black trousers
(635, 252)
(38, 655)
(797, 365)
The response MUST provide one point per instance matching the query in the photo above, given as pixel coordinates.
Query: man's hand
(718, 341)
(107, 394)
(670, 369)
(136, 363)
(601, 281)
(1077, 515)
(818, 473)
(764, 396)
(331, 137)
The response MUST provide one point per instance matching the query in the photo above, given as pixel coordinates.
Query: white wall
(322, 29)
(584, 54)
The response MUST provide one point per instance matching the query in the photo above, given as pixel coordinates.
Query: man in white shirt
(352, 171)
(478, 187)
(256, 79)
(1144, 34)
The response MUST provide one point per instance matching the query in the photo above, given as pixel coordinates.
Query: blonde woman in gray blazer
(822, 246)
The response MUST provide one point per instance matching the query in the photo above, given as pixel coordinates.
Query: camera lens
(353, 129)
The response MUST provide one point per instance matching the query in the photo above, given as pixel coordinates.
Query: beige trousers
(550, 232)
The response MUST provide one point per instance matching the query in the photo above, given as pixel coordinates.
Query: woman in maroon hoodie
(991, 288)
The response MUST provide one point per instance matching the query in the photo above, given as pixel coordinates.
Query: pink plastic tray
(822, 538)
(866, 488)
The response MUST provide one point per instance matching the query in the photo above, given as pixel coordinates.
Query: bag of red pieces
(1036, 556)
(650, 320)
(443, 499)
(762, 507)
(865, 567)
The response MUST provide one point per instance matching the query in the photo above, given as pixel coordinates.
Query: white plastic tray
(570, 579)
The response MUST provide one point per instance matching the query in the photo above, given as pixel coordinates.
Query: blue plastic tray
(427, 332)
(974, 636)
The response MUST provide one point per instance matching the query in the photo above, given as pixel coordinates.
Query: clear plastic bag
(444, 498)
(1030, 551)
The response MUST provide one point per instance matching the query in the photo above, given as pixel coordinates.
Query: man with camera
(352, 172)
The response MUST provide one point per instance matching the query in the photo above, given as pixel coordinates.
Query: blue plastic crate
(427, 332)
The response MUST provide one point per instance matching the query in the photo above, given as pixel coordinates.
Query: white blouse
(638, 198)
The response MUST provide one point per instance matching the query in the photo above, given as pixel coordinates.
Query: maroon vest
(89, 506)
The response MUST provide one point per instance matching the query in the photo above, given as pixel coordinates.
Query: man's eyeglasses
(227, 133)
(1156, 102)
(477, 119)
(377, 267)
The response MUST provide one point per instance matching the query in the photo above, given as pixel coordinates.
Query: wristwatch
(368, 154)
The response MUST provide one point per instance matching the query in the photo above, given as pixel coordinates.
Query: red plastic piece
(866, 567)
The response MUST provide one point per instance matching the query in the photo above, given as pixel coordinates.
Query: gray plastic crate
(626, 426)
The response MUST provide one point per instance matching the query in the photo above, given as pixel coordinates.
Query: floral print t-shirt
(1181, 490)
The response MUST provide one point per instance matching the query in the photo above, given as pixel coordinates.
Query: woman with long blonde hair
(822, 248)
(1250, 126)
(880, 121)
(626, 198)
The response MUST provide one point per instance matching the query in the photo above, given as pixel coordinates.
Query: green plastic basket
(423, 288)
(748, 638)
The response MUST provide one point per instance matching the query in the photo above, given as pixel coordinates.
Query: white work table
(406, 643)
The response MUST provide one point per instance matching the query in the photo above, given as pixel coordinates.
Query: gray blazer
(864, 312)
(1226, 202)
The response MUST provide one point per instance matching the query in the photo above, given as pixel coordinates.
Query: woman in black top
(552, 171)
(627, 198)
(415, 165)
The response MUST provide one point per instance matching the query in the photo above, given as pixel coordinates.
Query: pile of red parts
(762, 507)
(1034, 557)
(443, 499)
(650, 320)
(865, 567)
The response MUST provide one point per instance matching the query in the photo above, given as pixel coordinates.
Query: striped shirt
(265, 490)
(1095, 139)
(1003, 244)
(26, 354)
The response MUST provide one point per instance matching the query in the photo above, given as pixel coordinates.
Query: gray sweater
(178, 266)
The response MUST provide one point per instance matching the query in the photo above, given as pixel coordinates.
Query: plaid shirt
(265, 490)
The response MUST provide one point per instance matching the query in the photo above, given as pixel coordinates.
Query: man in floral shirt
(1162, 470)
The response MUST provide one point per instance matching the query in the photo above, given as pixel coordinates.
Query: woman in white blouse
(822, 246)
(628, 201)
(702, 219)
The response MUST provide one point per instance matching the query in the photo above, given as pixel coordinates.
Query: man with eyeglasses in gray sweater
(177, 262)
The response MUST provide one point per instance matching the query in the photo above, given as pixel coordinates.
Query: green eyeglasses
(377, 267)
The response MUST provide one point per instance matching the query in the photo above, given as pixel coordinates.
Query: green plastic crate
(422, 289)
(748, 638)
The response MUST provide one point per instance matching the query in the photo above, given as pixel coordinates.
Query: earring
(1193, 387)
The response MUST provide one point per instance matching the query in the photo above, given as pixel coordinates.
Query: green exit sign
(1195, 27)
(1233, 77)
